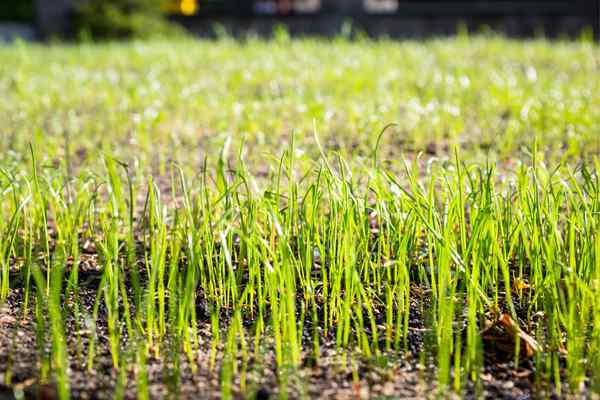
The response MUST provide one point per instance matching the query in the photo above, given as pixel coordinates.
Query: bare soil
(410, 374)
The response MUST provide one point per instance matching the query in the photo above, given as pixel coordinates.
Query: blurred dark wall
(53, 17)
(409, 18)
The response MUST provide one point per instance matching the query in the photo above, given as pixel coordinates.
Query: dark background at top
(17, 10)
(412, 18)
(425, 7)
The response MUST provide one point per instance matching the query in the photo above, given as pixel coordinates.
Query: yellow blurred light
(188, 7)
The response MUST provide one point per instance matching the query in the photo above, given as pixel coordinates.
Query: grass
(246, 210)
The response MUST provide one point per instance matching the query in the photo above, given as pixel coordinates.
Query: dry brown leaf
(520, 285)
(529, 346)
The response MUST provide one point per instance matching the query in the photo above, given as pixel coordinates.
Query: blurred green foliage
(16, 10)
(118, 19)
(169, 99)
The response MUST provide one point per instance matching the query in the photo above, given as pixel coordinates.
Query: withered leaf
(529, 346)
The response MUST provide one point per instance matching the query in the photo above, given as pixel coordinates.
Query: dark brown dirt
(392, 376)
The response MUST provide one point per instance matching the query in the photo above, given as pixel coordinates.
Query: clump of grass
(268, 262)
(321, 249)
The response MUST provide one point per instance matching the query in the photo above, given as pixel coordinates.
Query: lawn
(300, 219)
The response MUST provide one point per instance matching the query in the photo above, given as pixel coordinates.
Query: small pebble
(263, 394)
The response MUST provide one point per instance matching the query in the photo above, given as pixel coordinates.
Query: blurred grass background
(180, 100)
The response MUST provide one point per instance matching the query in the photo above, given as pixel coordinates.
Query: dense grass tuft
(226, 209)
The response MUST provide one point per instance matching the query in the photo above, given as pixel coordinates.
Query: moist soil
(406, 374)
(409, 373)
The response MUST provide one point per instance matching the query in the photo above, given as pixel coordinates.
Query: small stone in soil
(263, 394)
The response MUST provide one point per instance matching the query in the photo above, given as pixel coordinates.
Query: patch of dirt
(389, 376)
